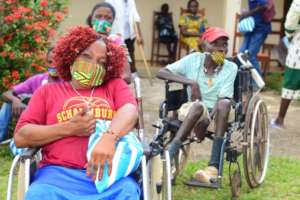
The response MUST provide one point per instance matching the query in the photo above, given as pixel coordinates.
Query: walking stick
(141, 48)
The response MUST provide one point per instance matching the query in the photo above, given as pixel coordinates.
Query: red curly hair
(70, 46)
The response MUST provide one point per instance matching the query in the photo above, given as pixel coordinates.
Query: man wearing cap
(210, 78)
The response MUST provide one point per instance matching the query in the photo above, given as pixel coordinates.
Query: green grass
(282, 181)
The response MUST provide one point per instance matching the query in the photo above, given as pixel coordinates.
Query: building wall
(80, 9)
(219, 13)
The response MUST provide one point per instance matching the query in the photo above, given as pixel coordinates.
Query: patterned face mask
(102, 26)
(52, 71)
(88, 74)
(218, 57)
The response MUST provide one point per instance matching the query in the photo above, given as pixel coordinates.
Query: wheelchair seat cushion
(127, 157)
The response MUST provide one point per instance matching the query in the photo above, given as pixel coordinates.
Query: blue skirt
(60, 183)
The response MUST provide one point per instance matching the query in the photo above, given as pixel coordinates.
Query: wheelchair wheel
(160, 169)
(256, 142)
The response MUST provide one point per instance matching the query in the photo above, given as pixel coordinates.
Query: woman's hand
(17, 107)
(103, 153)
(195, 91)
(82, 124)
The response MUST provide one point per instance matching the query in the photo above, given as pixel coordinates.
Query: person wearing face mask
(13, 105)
(191, 25)
(210, 78)
(127, 25)
(101, 19)
(61, 117)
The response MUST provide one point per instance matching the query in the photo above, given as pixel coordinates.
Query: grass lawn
(282, 182)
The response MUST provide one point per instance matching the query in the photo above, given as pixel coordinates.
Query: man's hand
(140, 41)
(17, 107)
(103, 153)
(195, 91)
(82, 124)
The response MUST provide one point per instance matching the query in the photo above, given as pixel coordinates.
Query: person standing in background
(291, 82)
(262, 11)
(127, 17)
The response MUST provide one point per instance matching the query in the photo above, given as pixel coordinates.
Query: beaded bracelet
(117, 135)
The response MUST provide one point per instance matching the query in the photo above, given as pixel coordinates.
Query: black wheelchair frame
(248, 107)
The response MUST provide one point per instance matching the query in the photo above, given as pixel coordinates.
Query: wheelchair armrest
(29, 153)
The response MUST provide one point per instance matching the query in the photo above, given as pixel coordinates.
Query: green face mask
(218, 57)
(102, 26)
(88, 74)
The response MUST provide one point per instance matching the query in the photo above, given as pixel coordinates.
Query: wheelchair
(153, 173)
(246, 135)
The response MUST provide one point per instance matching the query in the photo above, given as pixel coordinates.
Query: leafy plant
(27, 27)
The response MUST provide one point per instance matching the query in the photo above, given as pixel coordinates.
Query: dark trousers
(130, 46)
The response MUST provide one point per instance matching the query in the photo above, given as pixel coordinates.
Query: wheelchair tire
(256, 142)
(160, 177)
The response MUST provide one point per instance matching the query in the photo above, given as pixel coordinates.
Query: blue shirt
(260, 23)
(213, 87)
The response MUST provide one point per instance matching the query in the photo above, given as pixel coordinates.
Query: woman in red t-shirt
(61, 117)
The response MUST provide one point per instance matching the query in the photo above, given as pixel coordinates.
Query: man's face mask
(218, 57)
(88, 74)
(52, 71)
(102, 26)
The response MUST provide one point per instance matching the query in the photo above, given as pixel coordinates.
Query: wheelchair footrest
(195, 183)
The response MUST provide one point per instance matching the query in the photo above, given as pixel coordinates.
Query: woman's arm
(188, 34)
(32, 135)
(122, 122)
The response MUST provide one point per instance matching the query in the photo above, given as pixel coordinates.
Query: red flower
(3, 54)
(1, 41)
(11, 55)
(44, 3)
(59, 16)
(9, 18)
(1, 8)
(15, 74)
(45, 13)
(28, 27)
(37, 38)
(8, 36)
(24, 10)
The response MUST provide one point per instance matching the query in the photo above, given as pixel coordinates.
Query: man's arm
(252, 12)
(17, 105)
(166, 74)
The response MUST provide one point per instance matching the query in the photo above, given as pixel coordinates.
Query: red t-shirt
(58, 102)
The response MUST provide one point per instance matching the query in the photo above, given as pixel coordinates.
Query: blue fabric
(60, 183)
(127, 157)
(253, 42)
(247, 25)
(260, 24)
(14, 149)
(5, 118)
